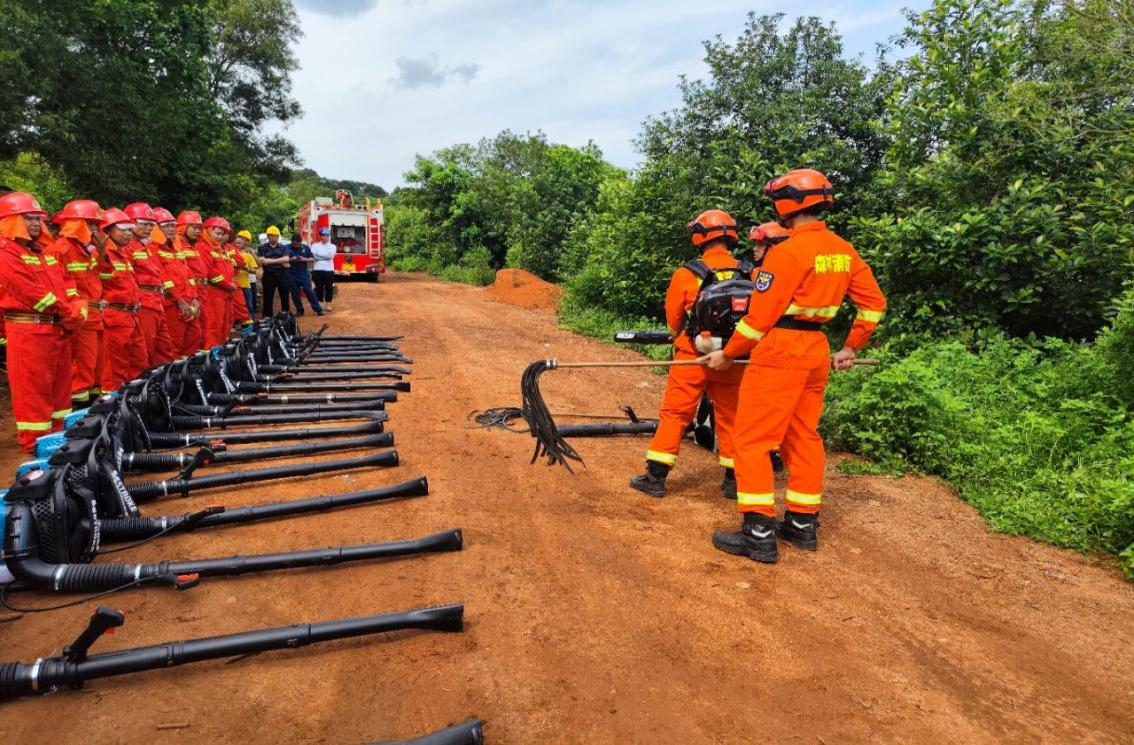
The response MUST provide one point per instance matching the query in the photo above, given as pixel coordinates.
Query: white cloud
(401, 77)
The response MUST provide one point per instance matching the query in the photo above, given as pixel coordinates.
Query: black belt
(126, 308)
(790, 322)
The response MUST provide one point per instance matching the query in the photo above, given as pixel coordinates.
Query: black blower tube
(200, 422)
(119, 529)
(385, 369)
(86, 578)
(302, 377)
(291, 387)
(180, 439)
(175, 461)
(19, 679)
(317, 398)
(256, 408)
(149, 490)
(349, 339)
(465, 733)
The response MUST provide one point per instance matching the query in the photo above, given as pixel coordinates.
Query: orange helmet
(20, 203)
(218, 222)
(162, 216)
(711, 225)
(115, 216)
(799, 190)
(78, 209)
(769, 233)
(189, 217)
(139, 211)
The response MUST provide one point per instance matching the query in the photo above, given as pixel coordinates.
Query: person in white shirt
(323, 270)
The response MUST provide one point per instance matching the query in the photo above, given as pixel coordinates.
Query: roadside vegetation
(984, 164)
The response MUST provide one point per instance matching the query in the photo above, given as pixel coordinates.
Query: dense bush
(1038, 437)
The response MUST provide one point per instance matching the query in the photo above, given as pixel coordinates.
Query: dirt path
(595, 614)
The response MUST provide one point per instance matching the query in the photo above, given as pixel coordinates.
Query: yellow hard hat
(245, 235)
(272, 230)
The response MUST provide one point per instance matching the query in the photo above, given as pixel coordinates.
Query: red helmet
(799, 190)
(115, 216)
(140, 211)
(189, 217)
(770, 233)
(162, 216)
(711, 225)
(218, 222)
(20, 203)
(78, 209)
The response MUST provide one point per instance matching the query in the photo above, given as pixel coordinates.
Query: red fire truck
(357, 229)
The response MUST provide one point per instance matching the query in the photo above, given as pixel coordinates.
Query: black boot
(652, 482)
(798, 529)
(728, 484)
(777, 461)
(756, 539)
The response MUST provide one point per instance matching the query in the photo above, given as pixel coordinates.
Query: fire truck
(357, 230)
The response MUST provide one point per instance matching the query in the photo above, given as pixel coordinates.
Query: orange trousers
(159, 345)
(39, 376)
(126, 354)
(683, 391)
(218, 319)
(780, 406)
(88, 357)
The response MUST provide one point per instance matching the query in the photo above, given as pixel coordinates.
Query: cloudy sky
(382, 80)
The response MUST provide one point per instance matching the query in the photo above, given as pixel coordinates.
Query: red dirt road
(596, 614)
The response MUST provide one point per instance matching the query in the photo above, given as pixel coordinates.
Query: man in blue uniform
(301, 261)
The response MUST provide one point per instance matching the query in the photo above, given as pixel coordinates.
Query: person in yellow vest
(246, 266)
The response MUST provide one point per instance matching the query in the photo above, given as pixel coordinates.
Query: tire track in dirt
(596, 614)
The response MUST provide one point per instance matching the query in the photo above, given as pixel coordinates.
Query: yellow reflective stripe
(165, 254)
(3, 342)
(78, 266)
(798, 310)
(726, 462)
(72, 292)
(50, 260)
(747, 331)
(83, 312)
(217, 279)
(809, 499)
(46, 300)
(668, 458)
(105, 275)
(61, 413)
(870, 316)
(33, 260)
(755, 500)
(81, 396)
(119, 266)
(33, 426)
(167, 284)
(672, 331)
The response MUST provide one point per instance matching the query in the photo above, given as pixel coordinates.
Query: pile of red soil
(517, 287)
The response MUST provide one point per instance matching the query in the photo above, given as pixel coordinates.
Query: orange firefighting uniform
(88, 347)
(126, 354)
(176, 281)
(149, 273)
(218, 294)
(686, 384)
(239, 307)
(38, 311)
(194, 336)
(781, 395)
(197, 257)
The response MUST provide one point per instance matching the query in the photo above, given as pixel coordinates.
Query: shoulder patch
(764, 281)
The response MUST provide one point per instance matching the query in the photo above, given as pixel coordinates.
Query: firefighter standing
(126, 355)
(38, 314)
(218, 292)
(190, 229)
(714, 232)
(75, 248)
(150, 273)
(799, 288)
(180, 300)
